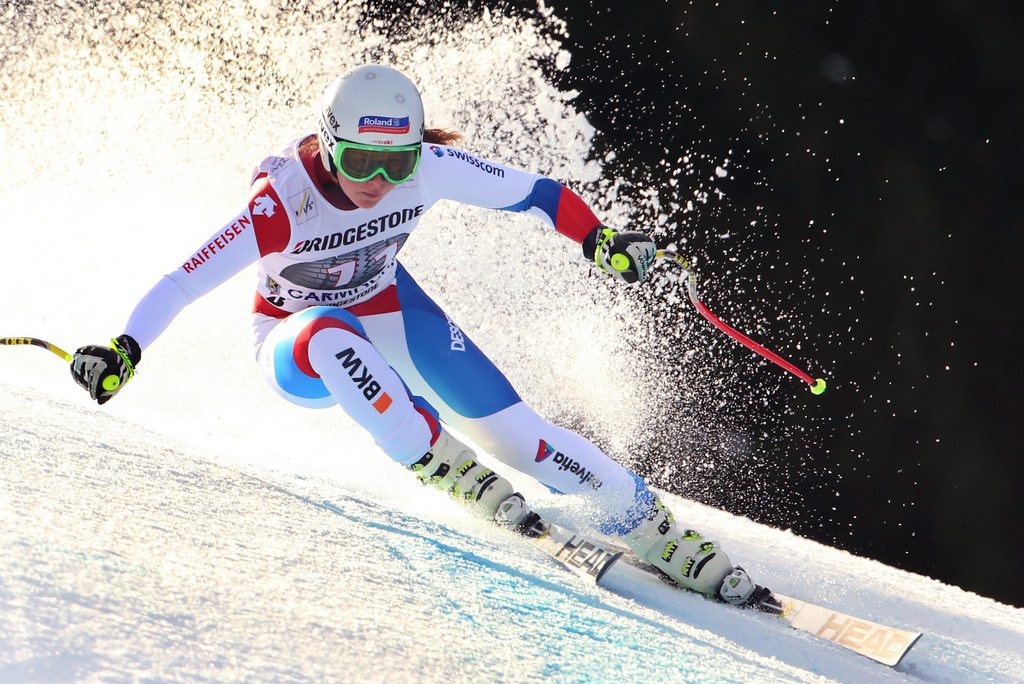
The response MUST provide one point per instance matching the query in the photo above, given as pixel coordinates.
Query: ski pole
(36, 342)
(817, 386)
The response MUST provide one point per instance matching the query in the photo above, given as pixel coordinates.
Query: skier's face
(366, 194)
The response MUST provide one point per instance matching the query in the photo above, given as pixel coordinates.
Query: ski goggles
(358, 162)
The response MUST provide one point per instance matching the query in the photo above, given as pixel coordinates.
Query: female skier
(339, 321)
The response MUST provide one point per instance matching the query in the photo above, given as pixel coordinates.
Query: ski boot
(691, 561)
(515, 514)
(735, 586)
(452, 467)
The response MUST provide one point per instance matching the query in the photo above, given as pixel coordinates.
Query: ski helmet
(373, 105)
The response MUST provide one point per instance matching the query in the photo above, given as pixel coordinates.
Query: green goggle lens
(360, 163)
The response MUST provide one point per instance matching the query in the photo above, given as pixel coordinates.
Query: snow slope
(130, 557)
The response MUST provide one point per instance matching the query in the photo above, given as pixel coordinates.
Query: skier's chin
(366, 200)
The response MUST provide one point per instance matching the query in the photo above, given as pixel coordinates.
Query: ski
(881, 643)
(617, 569)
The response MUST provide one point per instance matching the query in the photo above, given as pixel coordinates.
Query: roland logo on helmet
(384, 124)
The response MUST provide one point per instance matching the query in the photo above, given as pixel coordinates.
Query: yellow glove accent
(606, 235)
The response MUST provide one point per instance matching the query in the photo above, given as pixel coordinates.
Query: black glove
(104, 370)
(625, 256)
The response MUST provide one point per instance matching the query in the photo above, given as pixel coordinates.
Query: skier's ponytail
(440, 136)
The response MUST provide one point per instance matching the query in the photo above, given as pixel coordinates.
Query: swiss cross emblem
(265, 206)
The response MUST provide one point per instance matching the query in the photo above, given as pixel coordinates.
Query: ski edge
(592, 560)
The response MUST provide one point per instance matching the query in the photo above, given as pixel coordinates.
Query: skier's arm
(453, 174)
(261, 228)
(227, 252)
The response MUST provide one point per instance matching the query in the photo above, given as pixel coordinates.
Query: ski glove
(625, 256)
(104, 370)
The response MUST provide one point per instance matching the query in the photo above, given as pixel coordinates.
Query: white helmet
(373, 105)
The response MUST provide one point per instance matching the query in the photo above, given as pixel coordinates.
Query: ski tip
(607, 564)
(913, 642)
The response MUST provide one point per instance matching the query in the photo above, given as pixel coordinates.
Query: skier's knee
(317, 322)
(285, 357)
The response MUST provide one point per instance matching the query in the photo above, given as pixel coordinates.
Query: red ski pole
(817, 386)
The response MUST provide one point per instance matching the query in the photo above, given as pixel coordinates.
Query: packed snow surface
(128, 556)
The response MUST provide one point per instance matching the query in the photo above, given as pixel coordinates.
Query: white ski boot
(514, 513)
(737, 588)
(692, 562)
(452, 467)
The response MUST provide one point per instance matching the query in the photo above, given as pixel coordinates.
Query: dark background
(876, 146)
(915, 195)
